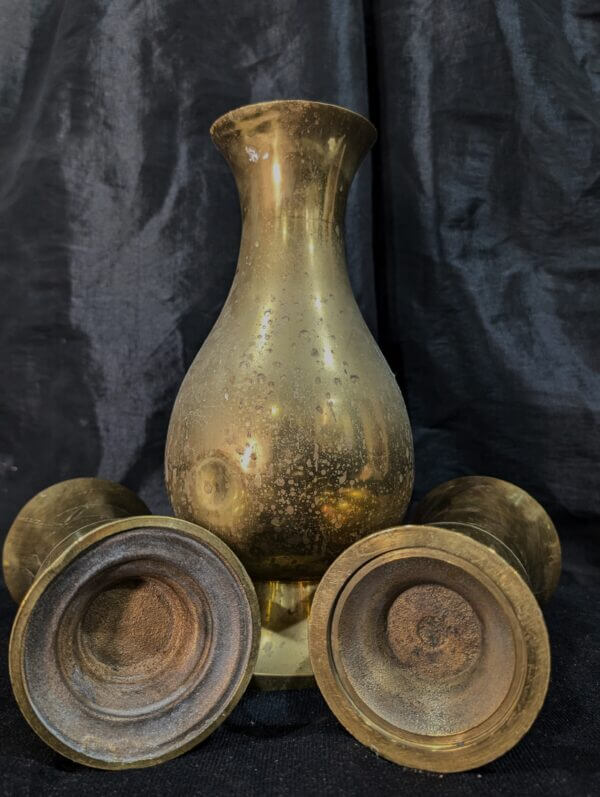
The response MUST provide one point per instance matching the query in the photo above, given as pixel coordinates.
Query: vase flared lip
(244, 111)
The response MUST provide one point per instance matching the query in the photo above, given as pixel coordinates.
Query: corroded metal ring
(136, 639)
(429, 648)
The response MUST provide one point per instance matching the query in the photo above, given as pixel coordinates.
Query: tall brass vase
(289, 437)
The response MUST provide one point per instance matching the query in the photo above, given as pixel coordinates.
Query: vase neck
(293, 159)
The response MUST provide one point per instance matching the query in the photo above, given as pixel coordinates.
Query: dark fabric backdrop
(473, 239)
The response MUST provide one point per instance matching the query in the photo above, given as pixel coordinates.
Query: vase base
(283, 659)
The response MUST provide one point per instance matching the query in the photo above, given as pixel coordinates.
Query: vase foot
(283, 660)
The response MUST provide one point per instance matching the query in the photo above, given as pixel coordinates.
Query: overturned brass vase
(427, 641)
(289, 437)
(136, 634)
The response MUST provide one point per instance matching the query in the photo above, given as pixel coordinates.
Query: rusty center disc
(132, 625)
(434, 632)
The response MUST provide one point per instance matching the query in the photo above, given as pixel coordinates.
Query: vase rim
(241, 112)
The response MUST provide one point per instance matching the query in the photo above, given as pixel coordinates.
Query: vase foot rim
(283, 659)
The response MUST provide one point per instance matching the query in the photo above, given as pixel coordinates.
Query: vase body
(289, 437)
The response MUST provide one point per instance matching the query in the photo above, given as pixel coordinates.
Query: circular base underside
(134, 643)
(429, 648)
(283, 660)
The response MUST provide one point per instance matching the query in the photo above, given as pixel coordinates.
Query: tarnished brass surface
(137, 635)
(53, 515)
(427, 640)
(503, 516)
(289, 437)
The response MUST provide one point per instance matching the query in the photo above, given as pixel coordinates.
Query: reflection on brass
(427, 640)
(283, 661)
(136, 635)
(289, 437)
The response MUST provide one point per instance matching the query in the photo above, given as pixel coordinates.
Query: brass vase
(427, 640)
(135, 636)
(289, 437)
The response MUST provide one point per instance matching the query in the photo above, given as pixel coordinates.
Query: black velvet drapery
(473, 236)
